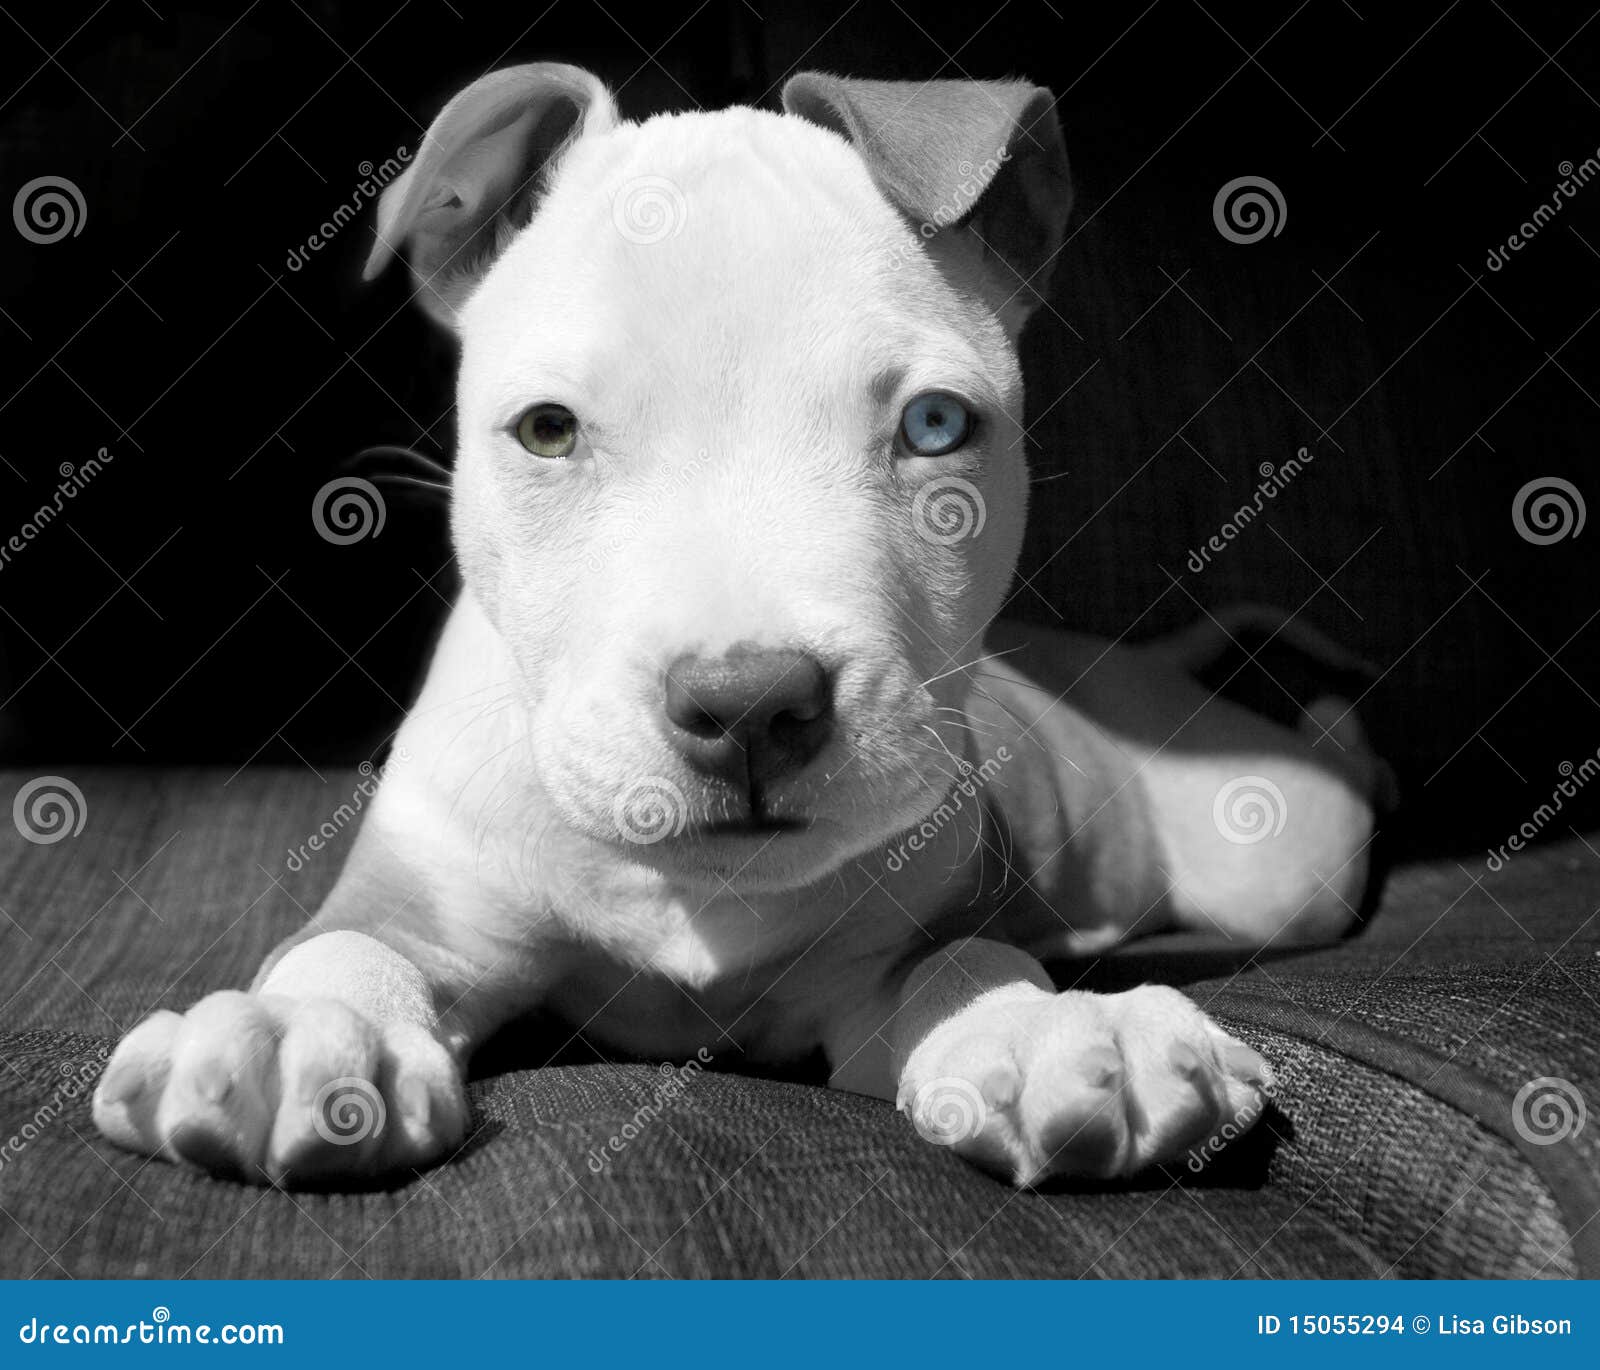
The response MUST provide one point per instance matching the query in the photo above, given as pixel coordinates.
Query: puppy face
(716, 404)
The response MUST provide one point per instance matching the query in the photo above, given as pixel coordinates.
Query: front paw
(1031, 1085)
(282, 1091)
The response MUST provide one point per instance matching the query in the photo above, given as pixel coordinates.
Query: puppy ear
(478, 174)
(977, 159)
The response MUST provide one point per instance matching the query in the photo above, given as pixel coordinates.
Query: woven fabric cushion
(1393, 1146)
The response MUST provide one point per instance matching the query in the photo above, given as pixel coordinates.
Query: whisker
(397, 478)
(394, 450)
(967, 666)
(1027, 731)
(961, 719)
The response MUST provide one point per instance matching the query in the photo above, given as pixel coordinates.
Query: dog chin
(753, 858)
(787, 855)
(668, 828)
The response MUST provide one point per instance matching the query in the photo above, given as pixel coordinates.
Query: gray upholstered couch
(1394, 1147)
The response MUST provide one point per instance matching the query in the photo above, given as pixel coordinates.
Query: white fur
(739, 383)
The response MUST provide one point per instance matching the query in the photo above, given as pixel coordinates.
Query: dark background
(185, 608)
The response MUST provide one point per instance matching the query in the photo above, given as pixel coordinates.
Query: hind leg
(1183, 807)
(1267, 837)
(1295, 786)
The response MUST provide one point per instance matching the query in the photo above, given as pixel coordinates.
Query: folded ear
(478, 174)
(982, 160)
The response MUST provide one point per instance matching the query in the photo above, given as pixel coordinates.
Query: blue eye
(934, 424)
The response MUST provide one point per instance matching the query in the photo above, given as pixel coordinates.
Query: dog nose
(751, 716)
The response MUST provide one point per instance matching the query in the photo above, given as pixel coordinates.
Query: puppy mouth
(744, 808)
(762, 825)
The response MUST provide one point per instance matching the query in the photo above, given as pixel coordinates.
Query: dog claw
(201, 1146)
(116, 1087)
(1185, 1061)
(1105, 1085)
(415, 1102)
(282, 1091)
(1087, 1140)
(1246, 1062)
(213, 1083)
(1101, 1067)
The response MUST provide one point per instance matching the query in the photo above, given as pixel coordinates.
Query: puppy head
(741, 478)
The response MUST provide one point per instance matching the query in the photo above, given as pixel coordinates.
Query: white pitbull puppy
(720, 745)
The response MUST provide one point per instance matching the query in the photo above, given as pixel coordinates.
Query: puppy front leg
(334, 1067)
(985, 1057)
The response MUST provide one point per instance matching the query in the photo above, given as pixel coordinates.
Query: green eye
(549, 431)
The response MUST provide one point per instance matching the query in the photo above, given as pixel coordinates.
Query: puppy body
(739, 355)
(1082, 837)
